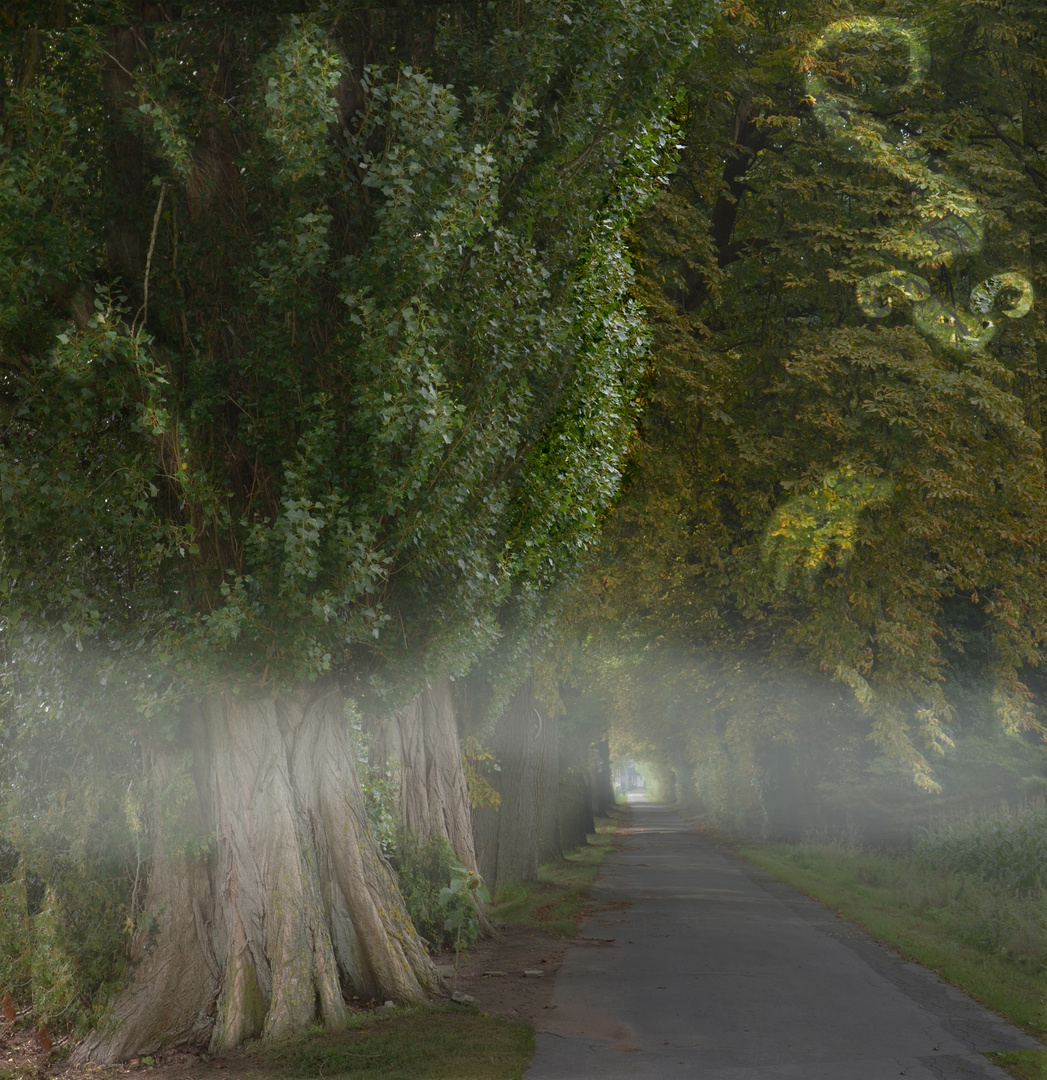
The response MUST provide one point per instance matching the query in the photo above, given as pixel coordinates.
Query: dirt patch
(495, 973)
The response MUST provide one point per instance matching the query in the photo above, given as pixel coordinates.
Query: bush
(67, 956)
(423, 870)
(16, 976)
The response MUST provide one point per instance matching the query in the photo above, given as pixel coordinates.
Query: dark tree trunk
(601, 782)
(513, 840)
(575, 810)
(547, 783)
(268, 899)
(507, 838)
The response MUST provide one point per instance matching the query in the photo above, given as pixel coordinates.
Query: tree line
(397, 399)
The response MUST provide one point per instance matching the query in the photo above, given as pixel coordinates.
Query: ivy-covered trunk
(268, 899)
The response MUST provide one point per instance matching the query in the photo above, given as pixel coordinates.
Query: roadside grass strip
(1025, 1064)
(446, 1043)
(969, 902)
(558, 900)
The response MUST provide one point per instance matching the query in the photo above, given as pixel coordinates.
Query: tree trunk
(422, 739)
(576, 810)
(601, 782)
(547, 783)
(268, 898)
(512, 840)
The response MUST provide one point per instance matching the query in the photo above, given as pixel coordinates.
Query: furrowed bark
(422, 740)
(268, 899)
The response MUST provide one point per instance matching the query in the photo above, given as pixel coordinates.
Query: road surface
(696, 964)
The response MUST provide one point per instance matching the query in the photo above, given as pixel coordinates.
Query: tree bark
(268, 899)
(575, 810)
(422, 739)
(601, 782)
(547, 782)
(512, 840)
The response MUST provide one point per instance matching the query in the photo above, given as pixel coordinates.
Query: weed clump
(426, 870)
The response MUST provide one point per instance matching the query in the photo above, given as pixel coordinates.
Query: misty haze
(522, 532)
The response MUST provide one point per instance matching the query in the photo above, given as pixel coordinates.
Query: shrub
(15, 942)
(423, 870)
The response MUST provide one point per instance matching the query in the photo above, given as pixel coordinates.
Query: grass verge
(1024, 1064)
(411, 1044)
(556, 902)
(932, 917)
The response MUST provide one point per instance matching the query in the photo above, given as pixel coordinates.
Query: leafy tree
(844, 434)
(318, 364)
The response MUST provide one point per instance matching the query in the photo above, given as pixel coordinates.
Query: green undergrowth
(556, 902)
(443, 1043)
(980, 934)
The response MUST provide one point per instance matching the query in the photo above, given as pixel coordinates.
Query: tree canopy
(317, 344)
(843, 440)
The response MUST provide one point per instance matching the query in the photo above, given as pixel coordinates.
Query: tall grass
(982, 879)
(1008, 848)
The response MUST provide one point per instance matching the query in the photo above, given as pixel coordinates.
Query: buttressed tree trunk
(422, 739)
(268, 899)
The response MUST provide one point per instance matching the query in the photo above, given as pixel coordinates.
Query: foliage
(474, 758)
(15, 940)
(829, 470)
(331, 367)
(71, 851)
(1008, 848)
(423, 871)
(66, 956)
(458, 900)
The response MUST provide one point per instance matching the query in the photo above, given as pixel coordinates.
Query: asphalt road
(696, 964)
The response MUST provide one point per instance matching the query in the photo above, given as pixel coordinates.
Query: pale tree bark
(268, 900)
(421, 740)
